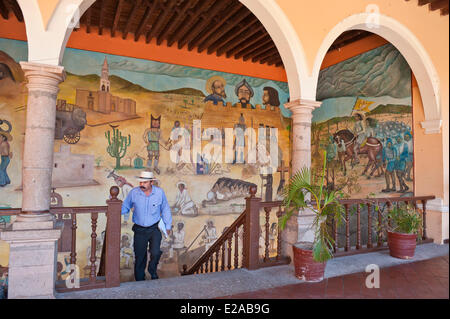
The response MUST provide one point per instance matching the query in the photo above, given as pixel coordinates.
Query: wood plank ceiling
(221, 27)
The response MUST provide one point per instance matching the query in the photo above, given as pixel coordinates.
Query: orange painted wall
(12, 29)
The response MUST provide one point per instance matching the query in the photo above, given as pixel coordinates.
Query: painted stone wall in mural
(365, 125)
(116, 117)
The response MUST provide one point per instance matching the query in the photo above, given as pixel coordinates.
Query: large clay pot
(306, 268)
(402, 245)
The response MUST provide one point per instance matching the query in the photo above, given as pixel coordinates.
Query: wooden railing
(238, 246)
(109, 270)
(354, 238)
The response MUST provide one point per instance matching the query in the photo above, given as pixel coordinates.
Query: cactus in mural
(117, 144)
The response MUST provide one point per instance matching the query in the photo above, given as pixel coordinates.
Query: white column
(33, 236)
(298, 229)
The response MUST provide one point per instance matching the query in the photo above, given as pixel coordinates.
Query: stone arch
(52, 26)
(288, 45)
(411, 49)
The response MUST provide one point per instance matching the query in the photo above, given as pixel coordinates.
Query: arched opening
(411, 49)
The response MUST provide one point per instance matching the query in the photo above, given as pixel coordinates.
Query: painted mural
(365, 125)
(116, 117)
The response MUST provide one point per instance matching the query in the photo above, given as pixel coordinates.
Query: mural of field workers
(207, 136)
(365, 125)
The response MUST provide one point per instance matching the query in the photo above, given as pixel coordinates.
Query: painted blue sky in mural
(154, 76)
(381, 76)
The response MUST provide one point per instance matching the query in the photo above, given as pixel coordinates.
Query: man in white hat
(150, 206)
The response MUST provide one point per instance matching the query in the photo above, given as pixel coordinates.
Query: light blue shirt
(148, 210)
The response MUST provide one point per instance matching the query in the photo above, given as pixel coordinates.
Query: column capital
(43, 77)
(301, 105)
(432, 126)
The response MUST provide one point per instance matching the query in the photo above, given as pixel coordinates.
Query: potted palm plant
(403, 223)
(310, 258)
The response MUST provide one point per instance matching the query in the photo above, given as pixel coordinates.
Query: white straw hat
(146, 176)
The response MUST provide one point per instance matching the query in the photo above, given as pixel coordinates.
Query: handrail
(219, 242)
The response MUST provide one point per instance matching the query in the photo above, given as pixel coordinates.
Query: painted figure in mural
(409, 159)
(244, 92)
(6, 155)
(178, 237)
(183, 202)
(215, 86)
(150, 207)
(210, 234)
(239, 143)
(151, 138)
(389, 159)
(268, 179)
(3, 282)
(360, 133)
(400, 163)
(126, 250)
(125, 188)
(270, 98)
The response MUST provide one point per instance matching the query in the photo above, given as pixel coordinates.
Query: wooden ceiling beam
(249, 39)
(206, 18)
(131, 18)
(144, 20)
(260, 55)
(193, 15)
(274, 60)
(278, 64)
(181, 15)
(424, 2)
(270, 58)
(227, 41)
(167, 12)
(444, 11)
(255, 46)
(238, 18)
(217, 22)
(116, 18)
(14, 7)
(88, 19)
(101, 21)
(440, 4)
(4, 10)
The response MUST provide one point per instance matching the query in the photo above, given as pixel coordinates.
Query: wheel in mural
(71, 136)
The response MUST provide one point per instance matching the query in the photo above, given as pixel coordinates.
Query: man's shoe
(154, 277)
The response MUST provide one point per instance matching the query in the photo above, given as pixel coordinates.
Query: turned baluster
(206, 265)
(93, 259)
(279, 213)
(347, 228)
(424, 219)
(229, 241)
(369, 226)
(358, 227)
(266, 241)
(335, 234)
(222, 266)
(217, 260)
(236, 248)
(389, 206)
(73, 251)
(379, 232)
(211, 263)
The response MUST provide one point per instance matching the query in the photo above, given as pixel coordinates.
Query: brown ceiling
(221, 27)
(434, 5)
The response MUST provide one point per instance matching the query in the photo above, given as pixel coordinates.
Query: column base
(32, 262)
(305, 220)
(29, 221)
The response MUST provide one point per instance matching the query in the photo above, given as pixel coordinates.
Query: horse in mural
(372, 148)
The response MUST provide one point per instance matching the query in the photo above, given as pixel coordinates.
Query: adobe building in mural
(121, 106)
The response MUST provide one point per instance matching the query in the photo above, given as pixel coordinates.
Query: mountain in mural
(390, 109)
(119, 84)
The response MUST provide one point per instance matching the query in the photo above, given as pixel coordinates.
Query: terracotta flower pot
(306, 268)
(402, 245)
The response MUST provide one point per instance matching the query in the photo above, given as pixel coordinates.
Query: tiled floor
(422, 279)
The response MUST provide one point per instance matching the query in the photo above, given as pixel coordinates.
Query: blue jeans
(146, 238)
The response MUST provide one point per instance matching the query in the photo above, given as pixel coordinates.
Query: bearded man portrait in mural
(244, 92)
(215, 86)
(6, 156)
(270, 98)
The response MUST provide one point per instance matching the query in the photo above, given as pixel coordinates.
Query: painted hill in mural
(389, 109)
(119, 84)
